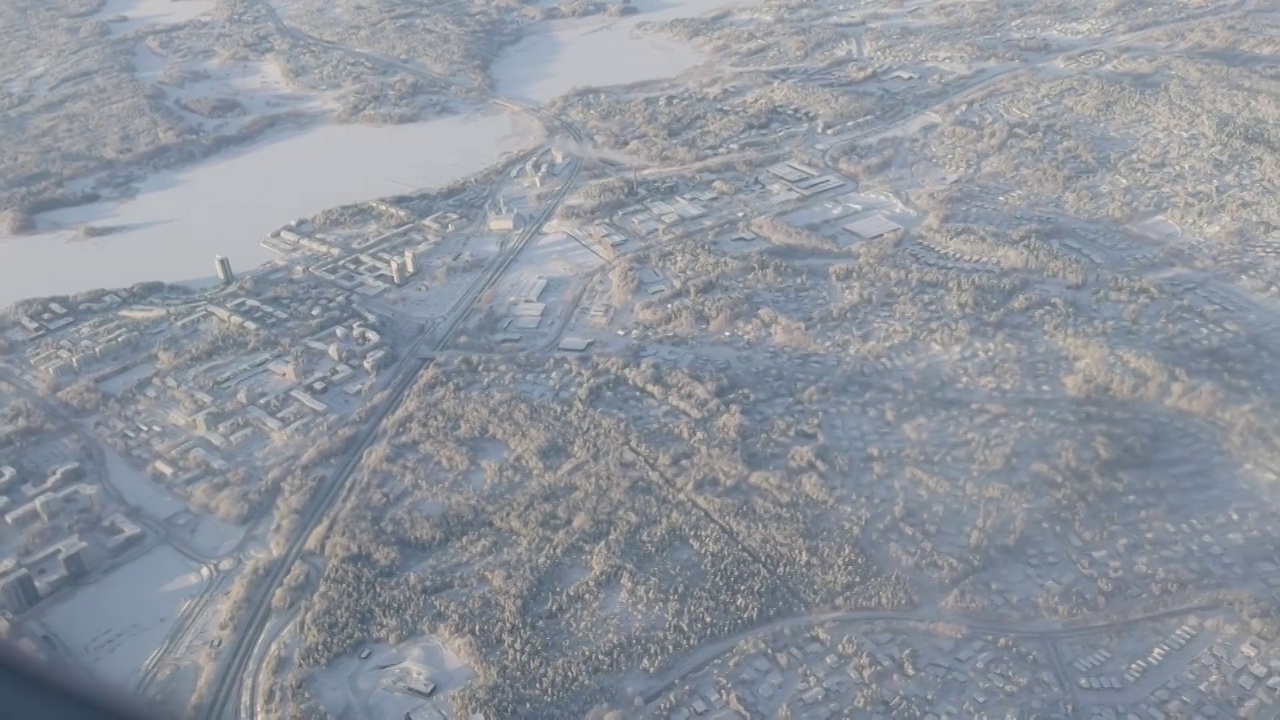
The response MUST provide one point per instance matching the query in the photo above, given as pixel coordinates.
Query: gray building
(18, 591)
(223, 267)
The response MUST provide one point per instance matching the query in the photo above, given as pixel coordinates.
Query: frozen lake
(599, 51)
(178, 221)
(141, 13)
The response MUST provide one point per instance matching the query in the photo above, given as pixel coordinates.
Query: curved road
(707, 654)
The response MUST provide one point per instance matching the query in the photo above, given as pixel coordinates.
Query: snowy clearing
(378, 686)
(114, 624)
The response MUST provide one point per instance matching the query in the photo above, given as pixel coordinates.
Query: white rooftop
(575, 344)
(872, 227)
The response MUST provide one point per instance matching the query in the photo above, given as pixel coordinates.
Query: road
(225, 695)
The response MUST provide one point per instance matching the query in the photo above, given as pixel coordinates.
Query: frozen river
(178, 221)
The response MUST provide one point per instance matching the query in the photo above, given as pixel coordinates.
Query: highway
(225, 695)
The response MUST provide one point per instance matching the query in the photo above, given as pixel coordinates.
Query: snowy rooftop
(872, 227)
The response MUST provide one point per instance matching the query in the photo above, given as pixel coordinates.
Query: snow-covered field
(376, 687)
(179, 220)
(598, 52)
(202, 534)
(140, 13)
(113, 625)
(138, 490)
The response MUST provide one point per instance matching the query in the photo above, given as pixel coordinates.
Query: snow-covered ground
(138, 490)
(140, 13)
(558, 254)
(376, 687)
(259, 87)
(113, 625)
(179, 220)
(204, 535)
(598, 52)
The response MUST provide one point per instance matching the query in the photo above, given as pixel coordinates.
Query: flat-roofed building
(18, 590)
(527, 323)
(504, 222)
(71, 553)
(48, 506)
(528, 309)
(123, 532)
(872, 227)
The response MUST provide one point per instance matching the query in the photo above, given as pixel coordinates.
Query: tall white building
(411, 262)
(223, 266)
(397, 271)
